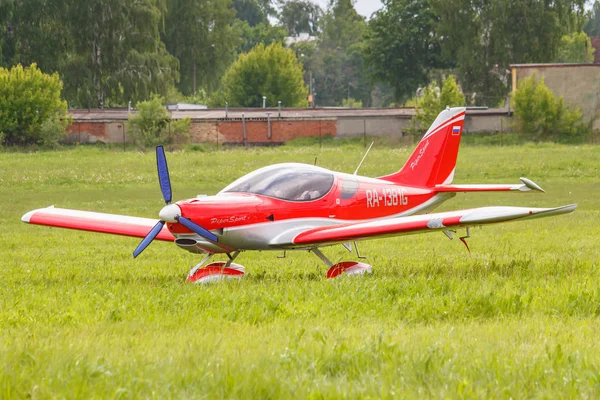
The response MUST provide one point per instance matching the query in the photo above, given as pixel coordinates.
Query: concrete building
(271, 126)
(578, 84)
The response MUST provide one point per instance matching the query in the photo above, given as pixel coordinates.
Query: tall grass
(518, 317)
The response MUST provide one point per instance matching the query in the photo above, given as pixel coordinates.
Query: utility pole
(311, 99)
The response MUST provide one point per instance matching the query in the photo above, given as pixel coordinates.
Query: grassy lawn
(517, 318)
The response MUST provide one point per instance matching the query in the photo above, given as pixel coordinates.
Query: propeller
(171, 212)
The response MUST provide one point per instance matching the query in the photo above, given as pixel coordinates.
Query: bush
(153, 126)
(28, 99)
(541, 116)
(52, 131)
(351, 103)
(272, 71)
(435, 101)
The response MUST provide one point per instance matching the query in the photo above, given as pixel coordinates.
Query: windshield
(295, 182)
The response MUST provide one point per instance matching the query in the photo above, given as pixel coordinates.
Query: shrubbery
(152, 125)
(435, 101)
(32, 110)
(272, 71)
(541, 116)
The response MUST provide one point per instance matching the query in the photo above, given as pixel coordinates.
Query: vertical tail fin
(433, 161)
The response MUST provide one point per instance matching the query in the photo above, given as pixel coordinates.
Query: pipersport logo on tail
(421, 153)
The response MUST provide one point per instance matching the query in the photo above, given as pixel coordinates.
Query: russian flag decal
(456, 130)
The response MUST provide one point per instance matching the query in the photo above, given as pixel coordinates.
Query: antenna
(363, 159)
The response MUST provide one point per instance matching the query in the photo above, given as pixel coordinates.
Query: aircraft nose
(169, 213)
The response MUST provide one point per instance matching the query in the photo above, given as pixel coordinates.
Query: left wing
(95, 222)
(424, 223)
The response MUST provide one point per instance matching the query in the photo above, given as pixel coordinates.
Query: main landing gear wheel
(349, 268)
(344, 267)
(216, 271)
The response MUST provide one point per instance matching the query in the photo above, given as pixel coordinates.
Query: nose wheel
(215, 271)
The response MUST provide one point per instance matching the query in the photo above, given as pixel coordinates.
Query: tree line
(110, 52)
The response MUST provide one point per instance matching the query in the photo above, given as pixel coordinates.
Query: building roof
(554, 65)
(106, 115)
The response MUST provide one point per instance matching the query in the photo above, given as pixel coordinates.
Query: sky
(364, 7)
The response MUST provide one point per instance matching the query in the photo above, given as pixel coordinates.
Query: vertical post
(264, 101)
(244, 127)
(129, 106)
(226, 109)
(513, 73)
(279, 109)
(269, 125)
(320, 135)
(501, 129)
(310, 90)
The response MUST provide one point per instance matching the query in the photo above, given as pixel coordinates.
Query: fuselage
(267, 208)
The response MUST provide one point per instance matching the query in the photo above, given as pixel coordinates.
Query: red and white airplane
(304, 207)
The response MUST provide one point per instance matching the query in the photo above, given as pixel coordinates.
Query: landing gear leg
(200, 264)
(345, 267)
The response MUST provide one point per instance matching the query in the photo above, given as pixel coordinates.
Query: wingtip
(27, 216)
(531, 184)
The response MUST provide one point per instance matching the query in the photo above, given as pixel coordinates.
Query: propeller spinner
(171, 212)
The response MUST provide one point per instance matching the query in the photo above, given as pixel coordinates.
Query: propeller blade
(163, 174)
(198, 229)
(149, 238)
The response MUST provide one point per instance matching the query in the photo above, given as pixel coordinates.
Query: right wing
(95, 222)
(423, 223)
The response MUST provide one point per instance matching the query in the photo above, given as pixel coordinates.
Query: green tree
(203, 35)
(271, 71)
(254, 12)
(592, 26)
(33, 32)
(401, 45)
(338, 68)
(264, 33)
(434, 101)
(153, 126)
(301, 16)
(29, 100)
(116, 54)
(575, 48)
(542, 116)
(482, 38)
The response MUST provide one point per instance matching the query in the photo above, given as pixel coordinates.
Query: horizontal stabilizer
(526, 186)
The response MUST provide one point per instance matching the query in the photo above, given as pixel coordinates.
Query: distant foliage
(435, 100)
(592, 26)
(271, 71)
(575, 48)
(351, 103)
(153, 126)
(31, 110)
(542, 116)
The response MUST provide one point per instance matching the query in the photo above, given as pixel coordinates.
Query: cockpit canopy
(294, 182)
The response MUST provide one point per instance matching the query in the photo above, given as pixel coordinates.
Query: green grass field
(517, 318)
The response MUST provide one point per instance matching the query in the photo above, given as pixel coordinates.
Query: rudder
(434, 159)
